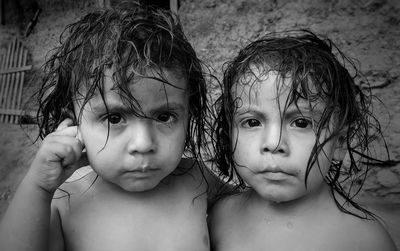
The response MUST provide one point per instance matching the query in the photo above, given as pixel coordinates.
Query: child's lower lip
(275, 175)
(142, 172)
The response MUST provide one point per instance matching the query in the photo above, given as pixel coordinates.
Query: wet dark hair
(131, 39)
(316, 74)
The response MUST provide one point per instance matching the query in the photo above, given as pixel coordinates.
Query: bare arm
(378, 238)
(26, 223)
(370, 235)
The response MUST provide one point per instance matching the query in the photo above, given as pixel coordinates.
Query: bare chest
(282, 235)
(122, 222)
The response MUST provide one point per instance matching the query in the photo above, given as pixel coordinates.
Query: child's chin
(276, 198)
(140, 187)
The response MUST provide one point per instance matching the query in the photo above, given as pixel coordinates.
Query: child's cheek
(243, 150)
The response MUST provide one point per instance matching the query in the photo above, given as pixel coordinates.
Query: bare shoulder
(223, 216)
(202, 175)
(195, 168)
(79, 182)
(188, 170)
(226, 208)
(370, 234)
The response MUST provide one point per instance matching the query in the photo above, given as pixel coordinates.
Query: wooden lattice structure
(12, 74)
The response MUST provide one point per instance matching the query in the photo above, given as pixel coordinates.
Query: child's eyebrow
(305, 107)
(114, 106)
(100, 107)
(170, 106)
(249, 109)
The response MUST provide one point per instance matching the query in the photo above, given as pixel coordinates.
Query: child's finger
(71, 154)
(70, 139)
(64, 124)
(71, 131)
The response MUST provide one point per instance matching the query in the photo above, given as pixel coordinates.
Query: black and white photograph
(199, 125)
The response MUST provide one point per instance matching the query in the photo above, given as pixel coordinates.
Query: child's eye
(249, 123)
(114, 119)
(165, 117)
(302, 123)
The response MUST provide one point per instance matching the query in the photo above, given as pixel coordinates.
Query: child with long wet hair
(124, 92)
(289, 116)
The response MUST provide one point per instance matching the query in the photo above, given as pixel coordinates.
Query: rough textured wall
(55, 15)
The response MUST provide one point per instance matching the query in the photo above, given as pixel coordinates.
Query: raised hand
(58, 157)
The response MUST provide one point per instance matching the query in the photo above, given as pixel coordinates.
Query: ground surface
(367, 30)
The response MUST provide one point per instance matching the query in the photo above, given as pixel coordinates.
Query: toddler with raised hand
(288, 115)
(125, 90)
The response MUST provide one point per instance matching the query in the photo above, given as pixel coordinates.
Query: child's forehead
(167, 76)
(160, 79)
(252, 83)
(167, 87)
(257, 86)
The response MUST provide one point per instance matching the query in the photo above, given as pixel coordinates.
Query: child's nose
(141, 138)
(274, 140)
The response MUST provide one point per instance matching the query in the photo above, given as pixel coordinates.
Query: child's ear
(340, 148)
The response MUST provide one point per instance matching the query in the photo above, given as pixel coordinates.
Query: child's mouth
(275, 176)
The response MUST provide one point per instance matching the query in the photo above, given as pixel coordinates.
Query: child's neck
(106, 187)
(320, 200)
